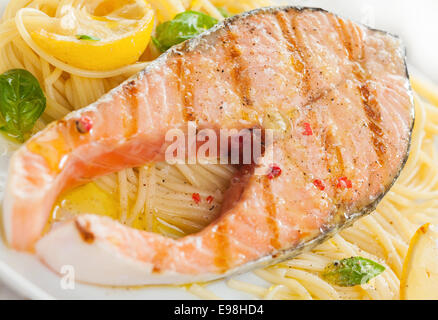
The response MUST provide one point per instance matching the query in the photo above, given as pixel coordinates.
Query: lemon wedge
(97, 35)
(419, 279)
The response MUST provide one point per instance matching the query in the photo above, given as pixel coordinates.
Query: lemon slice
(97, 35)
(419, 279)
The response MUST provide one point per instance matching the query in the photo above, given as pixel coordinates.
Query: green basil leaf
(352, 271)
(184, 26)
(22, 102)
(158, 44)
(86, 37)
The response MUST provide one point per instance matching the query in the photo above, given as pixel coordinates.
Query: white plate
(414, 22)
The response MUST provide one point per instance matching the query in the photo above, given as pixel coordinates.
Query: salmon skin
(336, 93)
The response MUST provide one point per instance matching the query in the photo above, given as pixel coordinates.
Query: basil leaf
(85, 37)
(184, 26)
(224, 12)
(352, 271)
(22, 102)
(158, 44)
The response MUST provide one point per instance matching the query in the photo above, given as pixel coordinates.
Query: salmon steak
(336, 94)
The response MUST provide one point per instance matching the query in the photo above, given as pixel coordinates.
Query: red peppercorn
(210, 199)
(196, 197)
(307, 129)
(84, 124)
(274, 172)
(344, 183)
(319, 184)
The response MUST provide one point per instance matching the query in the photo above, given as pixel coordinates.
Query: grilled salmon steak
(336, 93)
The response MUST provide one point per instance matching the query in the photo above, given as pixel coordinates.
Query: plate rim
(21, 285)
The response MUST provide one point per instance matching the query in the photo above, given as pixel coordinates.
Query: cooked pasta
(160, 197)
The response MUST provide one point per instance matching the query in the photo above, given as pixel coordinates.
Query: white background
(416, 21)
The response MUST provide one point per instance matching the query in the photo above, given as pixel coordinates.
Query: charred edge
(84, 232)
(271, 209)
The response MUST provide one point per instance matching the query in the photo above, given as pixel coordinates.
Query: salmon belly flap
(334, 94)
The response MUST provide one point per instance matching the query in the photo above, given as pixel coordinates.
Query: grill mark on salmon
(86, 235)
(130, 109)
(186, 90)
(335, 164)
(240, 82)
(271, 209)
(306, 74)
(346, 39)
(158, 260)
(298, 62)
(370, 105)
(221, 250)
(374, 118)
(340, 161)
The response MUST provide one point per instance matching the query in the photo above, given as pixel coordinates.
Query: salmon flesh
(335, 92)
